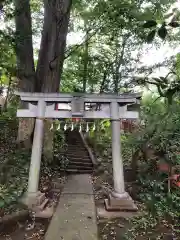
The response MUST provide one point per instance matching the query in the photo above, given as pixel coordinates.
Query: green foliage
(151, 36)
(150, 23)
(162, 32)
(59, 144)
(14, 178)
(101, 141)
(154, 193)
(160, 131)
(14, 164)
(161, 128)
(146, 226)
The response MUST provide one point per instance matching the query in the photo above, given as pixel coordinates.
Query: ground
(23, 229)
(117, 228)
(108, 229)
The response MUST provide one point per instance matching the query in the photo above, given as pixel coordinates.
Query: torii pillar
(119, 199)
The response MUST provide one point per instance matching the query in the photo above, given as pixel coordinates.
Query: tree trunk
(116, 74)
(51, 57)
(7, 96)
(24, 46)
(85, 70)
(25, 63)
(118, 63)
(53, 43)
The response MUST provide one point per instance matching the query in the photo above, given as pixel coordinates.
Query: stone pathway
(75, 216)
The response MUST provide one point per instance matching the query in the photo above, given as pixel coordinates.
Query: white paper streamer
(87, 127)
(52, 126)
(94, 127)
(59, 126)
(72, 126)
(80, 128)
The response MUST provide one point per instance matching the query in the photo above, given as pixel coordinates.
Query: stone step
(76, 154)
(74, 171)
(76, 148)
(46, 213)
(73, 140)
(78, 159)
(90, 164)
(76, 151)
(76, 138)
(68, 136)
(74, 166)
(77, 166)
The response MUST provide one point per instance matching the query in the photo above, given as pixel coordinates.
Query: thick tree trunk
(25, 63)
(53, 43)
(24, 46)
(51, 57)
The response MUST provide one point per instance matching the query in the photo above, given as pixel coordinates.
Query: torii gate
(43, 106)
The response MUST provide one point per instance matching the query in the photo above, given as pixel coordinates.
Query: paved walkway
(75, 216)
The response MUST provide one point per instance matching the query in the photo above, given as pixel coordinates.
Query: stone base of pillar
(38, 203)
(120, 203)
(32, 200)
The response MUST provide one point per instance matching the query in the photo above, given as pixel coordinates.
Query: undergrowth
(14, 163)
(158, 205)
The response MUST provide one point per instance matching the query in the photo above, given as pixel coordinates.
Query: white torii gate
(42, 106)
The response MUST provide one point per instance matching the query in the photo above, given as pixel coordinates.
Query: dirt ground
(108, 229)
(23, 229)
(115, 229)
(18, 230)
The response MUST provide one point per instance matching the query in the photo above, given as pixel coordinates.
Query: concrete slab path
(75, 216)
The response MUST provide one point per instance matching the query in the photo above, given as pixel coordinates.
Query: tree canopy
(107, 58)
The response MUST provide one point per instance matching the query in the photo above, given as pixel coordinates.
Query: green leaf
(162, 32)
(2, 203)
(174, 24)
(149, 24)
(151, 36)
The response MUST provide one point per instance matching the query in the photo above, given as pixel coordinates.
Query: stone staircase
(77, 157)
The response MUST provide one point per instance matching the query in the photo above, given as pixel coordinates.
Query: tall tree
(47, 75)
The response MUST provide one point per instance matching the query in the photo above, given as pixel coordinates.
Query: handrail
(91, 155)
